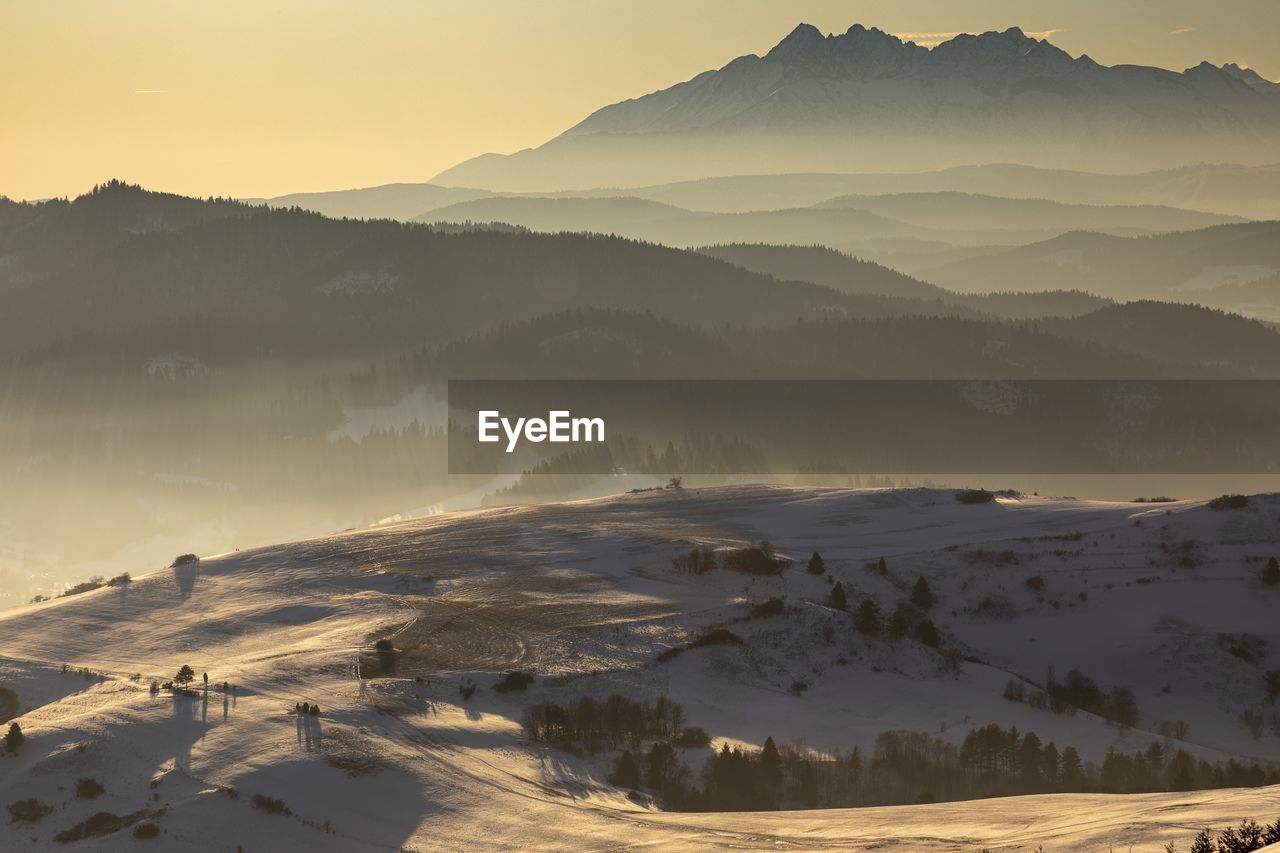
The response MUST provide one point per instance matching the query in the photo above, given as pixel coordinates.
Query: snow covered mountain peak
(866, 99)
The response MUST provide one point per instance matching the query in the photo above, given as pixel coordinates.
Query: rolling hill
(234, 276)
(178, 371)
(840, 271)
(1188, 265)
(415, 742)
(390, 201)
(976, 212)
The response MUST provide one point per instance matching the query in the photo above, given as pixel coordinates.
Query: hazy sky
(264, 97)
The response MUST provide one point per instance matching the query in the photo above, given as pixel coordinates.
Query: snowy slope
(583, 595)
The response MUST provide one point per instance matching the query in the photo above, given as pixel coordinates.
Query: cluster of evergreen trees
(589, 725)
(1079, 691)
(1245, 838)
(914, 767)
(907, 619)
(756, 559)
(903, 767)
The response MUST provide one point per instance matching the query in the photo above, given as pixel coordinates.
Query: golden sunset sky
(264, 97)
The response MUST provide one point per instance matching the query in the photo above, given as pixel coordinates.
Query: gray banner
(835, 427)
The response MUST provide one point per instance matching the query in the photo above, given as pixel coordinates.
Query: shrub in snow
(1270, 575)
(714, 637)
(102, 823)
(513, 680)
(692, 737)
(974, 496)
(1248, 647)
(270, 804)
(698, 561)
(92, 583)
(717, 637)
(184, 560)
(146, 830)
(995, 607)
(29, 810)
(87, 789)
(773, 607)
(757, 559)
(1229, 502)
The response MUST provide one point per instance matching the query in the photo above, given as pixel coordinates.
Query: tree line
(902, 767)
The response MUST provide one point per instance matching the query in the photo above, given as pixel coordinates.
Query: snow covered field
(584, 596)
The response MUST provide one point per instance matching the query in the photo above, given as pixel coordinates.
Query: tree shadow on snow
(185, 577)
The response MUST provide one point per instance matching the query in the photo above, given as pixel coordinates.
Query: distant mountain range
(851, 223)
(866, 100)
(1248, 191)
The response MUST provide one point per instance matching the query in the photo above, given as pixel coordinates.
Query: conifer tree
(14, 738)
(1071, 769)
(922, 595)
(868, 619)
(816, 565)
(1049, 765)
(771, 760)
(838, 599)
(927, 634)
(1203, 843)
(899, 624)
(1271, 574)
(626, 773)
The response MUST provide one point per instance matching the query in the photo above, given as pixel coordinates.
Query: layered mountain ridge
(866, 99)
